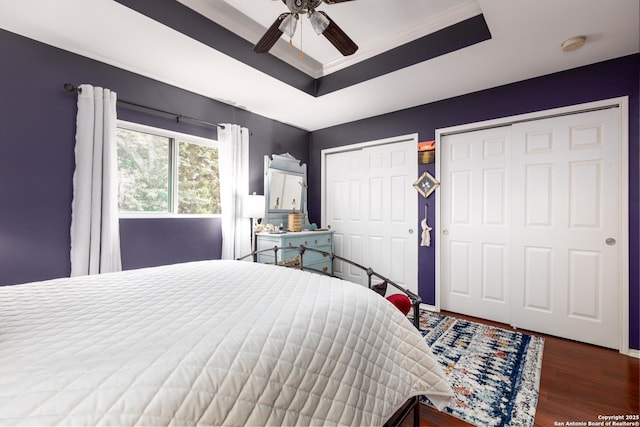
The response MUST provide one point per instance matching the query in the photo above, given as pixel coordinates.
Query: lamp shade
(253, 206)
(288, 25)
(319, 22)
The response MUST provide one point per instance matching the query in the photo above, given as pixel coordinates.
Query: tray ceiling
(525, 39)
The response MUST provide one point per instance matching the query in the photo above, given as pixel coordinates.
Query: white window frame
(177, 137)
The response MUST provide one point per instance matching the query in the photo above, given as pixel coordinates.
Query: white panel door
(475, 196)
(565, 226)
(346, 197)
(372, 208)
(530, 219)
(392, 242)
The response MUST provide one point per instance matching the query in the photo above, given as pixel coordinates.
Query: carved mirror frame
(285, 180)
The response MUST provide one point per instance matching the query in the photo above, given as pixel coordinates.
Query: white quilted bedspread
(208, 343)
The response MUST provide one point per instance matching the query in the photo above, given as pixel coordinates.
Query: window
(163, 172)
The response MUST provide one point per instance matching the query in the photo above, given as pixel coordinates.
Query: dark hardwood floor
(579, 383)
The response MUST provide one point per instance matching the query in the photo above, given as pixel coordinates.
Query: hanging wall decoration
(426, 152)
(426, 184)
(426, 229)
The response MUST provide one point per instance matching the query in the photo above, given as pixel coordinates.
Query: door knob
(445, 232)
(610, 241)
(411, 231)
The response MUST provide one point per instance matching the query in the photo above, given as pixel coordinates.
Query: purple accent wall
(37, 133)
(610, 79)
(37, 138)
(191, 241)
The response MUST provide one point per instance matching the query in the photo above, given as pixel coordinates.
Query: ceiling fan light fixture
(288, 25)
(319, 22)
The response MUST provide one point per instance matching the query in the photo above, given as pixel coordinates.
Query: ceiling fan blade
(271, 36)
(335, 1)
(339, 38)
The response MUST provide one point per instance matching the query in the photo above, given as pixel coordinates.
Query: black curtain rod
(73, 88)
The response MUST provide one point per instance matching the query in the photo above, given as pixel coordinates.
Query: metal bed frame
(412, 403)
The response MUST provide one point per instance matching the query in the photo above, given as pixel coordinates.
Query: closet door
(530, 222)
(565, 226)
(372, 207)
(346, 197)
(475, 250)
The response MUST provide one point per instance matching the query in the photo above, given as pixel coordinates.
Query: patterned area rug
(494, 372)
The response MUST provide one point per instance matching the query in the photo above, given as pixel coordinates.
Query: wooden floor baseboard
(580, 383)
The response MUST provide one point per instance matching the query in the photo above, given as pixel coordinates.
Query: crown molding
(230, 18)
(449, 17)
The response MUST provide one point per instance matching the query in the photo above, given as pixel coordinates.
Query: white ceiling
(526, 38)
(374, 26)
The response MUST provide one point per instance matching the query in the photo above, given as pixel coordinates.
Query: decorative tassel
(426, 235)
(301, 55)
(426, 230)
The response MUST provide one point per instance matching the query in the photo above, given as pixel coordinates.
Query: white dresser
(290, 242)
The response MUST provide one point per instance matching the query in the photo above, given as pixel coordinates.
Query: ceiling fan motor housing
(302, 6)
(296, 6)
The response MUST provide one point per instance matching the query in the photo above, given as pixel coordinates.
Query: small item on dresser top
(295, 222)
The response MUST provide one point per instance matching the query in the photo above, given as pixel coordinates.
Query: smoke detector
(573, 43)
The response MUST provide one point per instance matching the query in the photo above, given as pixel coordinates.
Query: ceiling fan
(320, 21)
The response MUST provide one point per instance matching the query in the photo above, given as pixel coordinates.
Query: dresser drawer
(268, 242)
(324, 267)
(309, 257)
(289, 244)
(283, 255)
(308, 240)
(313, 257)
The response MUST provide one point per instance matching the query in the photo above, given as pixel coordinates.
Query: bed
(208, 343)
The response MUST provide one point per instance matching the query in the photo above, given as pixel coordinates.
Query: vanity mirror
(285, 191)
(285, 188)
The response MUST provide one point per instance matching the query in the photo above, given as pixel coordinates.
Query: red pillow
(401, 301)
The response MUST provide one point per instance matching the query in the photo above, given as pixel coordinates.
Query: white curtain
(95, 231)
(233, 150)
